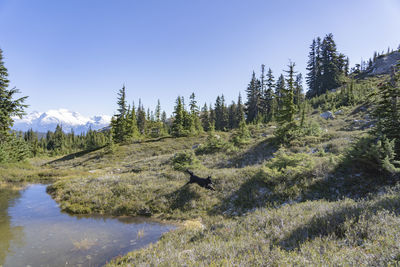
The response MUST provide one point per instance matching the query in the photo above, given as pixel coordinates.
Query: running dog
(203, 182)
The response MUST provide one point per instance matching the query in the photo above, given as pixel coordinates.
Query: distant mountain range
(47, 121)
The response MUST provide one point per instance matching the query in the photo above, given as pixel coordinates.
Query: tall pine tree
(9, 107)
(253, 99)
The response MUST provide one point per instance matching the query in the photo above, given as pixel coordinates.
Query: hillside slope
(305, 203)
(384, 64)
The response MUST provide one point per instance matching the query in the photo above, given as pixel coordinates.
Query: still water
(34, 232)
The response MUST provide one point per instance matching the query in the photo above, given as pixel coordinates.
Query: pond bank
(35, 232)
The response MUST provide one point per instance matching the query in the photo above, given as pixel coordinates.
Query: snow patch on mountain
(69, 120)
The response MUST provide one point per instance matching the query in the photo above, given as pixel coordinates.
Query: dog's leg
(209, 187)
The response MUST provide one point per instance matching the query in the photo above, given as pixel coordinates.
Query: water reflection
(36, 233)
(8, 234)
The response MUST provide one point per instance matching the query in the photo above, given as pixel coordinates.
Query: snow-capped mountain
(47, 121)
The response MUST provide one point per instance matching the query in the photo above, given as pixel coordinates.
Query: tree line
(267, 99)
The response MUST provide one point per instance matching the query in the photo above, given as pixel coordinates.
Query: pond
(34, 232)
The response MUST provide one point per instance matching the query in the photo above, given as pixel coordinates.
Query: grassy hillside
(310, 202)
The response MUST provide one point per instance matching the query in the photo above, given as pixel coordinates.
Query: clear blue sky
(77, 54)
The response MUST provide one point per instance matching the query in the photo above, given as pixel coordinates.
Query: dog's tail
(191, 173)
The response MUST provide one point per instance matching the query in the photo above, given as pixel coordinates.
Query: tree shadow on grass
(157, 139)
(73, 156)
(333, 222)
(349, 179)
(256, 154)
(254, 193)
(181, 198)
(355, 176)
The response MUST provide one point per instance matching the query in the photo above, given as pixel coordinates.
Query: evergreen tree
(298, 91)
(218, 113)
(205, 117)
(12, 147)
(346, 66)
(279, 92)
(221, 114)
(224, 114)
(9, 107)
(325, 66)
(253, 99)
(141, 119)
(289, 108)
(148, 116)
(119, 123)
(319, 68)
(59, 138)
(194, 112)
(314, 67)
(262, 105)
(285, 115)
(240, 110)
(158, 127)
(387, 110)
(268, 97)
(311, 77)
(131, 123)
(331, 65)
(32, 139)
(164, 117)
(211, 118)
(232, 118)
(177, 124)
(94, 139)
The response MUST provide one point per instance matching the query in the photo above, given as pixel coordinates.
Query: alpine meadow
(300, 168)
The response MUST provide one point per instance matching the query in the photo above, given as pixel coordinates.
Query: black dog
(203, 182)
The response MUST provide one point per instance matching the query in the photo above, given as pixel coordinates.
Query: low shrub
(214, 143)
(184, 160)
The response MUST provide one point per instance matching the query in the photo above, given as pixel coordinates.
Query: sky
(77, 54)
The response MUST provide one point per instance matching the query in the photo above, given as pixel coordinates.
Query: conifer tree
(289, 108)
(158, 111)
(269, 96)
(119, 123)
(387, 110)
(131, 121)
(12, 147)
(164, 117)
(232, 118)
(148, 115)
(311, 77)
(194, 113)
(240, 110)
(9, 107)
(331, 66)
(59, 138)
(224, 113)
(285, 115)
(141, 118)
(262, 101)
(205, 117)
(218, 113)
(319, 68)
(211, 118)
(253, 99)
(325, 66)
(178, 123)
(221, 114)
(279, 92)
(158, 128)
(32, 139)
(298, 91)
